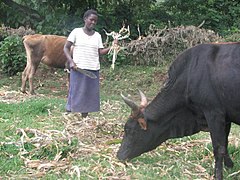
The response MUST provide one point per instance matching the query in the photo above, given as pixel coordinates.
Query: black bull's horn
(132, 104)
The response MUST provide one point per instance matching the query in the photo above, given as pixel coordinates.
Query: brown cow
(47, 49)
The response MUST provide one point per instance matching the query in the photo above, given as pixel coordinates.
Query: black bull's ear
(142, 123)
(137, 110)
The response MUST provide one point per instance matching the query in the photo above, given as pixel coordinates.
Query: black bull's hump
(205, 76)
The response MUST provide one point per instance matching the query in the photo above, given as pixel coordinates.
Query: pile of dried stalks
(80, 139)
(21, 31)
(97, 136)
(10, 96)
(162, 45)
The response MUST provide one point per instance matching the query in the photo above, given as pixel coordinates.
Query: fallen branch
(123, 33)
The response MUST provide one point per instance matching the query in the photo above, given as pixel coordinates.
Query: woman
(84, 96)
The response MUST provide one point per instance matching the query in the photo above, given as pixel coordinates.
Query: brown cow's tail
(24, 37)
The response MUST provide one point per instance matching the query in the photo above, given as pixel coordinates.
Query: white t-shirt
(85, 52)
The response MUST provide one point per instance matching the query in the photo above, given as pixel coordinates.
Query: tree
(219, 15)
(52, 16)
(61, 16)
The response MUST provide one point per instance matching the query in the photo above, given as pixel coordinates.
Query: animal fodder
(74, 151)
(65, 146)
(8, 31)
(161, 46)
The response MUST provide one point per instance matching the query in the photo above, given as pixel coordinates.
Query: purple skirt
(84, 95)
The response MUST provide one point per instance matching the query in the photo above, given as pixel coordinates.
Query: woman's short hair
(89, 12)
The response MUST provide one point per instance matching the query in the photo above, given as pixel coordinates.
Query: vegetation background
(61, 16)
(37, 140)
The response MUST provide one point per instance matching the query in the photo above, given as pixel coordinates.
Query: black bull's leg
(219, 131)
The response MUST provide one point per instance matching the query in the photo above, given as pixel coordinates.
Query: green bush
(12, 55)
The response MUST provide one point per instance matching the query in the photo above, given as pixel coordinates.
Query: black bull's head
(139, 136)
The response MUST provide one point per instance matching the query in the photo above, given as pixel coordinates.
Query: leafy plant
(12, 55)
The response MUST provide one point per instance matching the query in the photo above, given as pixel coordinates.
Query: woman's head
(89, 12)
(90, 18)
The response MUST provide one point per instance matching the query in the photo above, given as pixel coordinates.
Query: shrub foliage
(12, 55)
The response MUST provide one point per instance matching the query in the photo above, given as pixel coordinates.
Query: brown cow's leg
(24, 78)
(30, 77)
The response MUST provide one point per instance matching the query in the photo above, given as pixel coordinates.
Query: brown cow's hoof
(23, 91)
(32, 93)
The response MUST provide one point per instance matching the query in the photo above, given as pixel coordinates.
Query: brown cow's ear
(142, 123)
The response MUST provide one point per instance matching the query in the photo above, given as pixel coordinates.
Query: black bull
(201, 93)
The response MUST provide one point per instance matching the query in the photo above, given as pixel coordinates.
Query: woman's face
(91, 21)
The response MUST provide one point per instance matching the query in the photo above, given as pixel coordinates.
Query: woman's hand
(72, 65)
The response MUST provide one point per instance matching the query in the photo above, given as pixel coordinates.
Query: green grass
(9, 159)
(127, 79)
(29, 113)
(89, 148)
